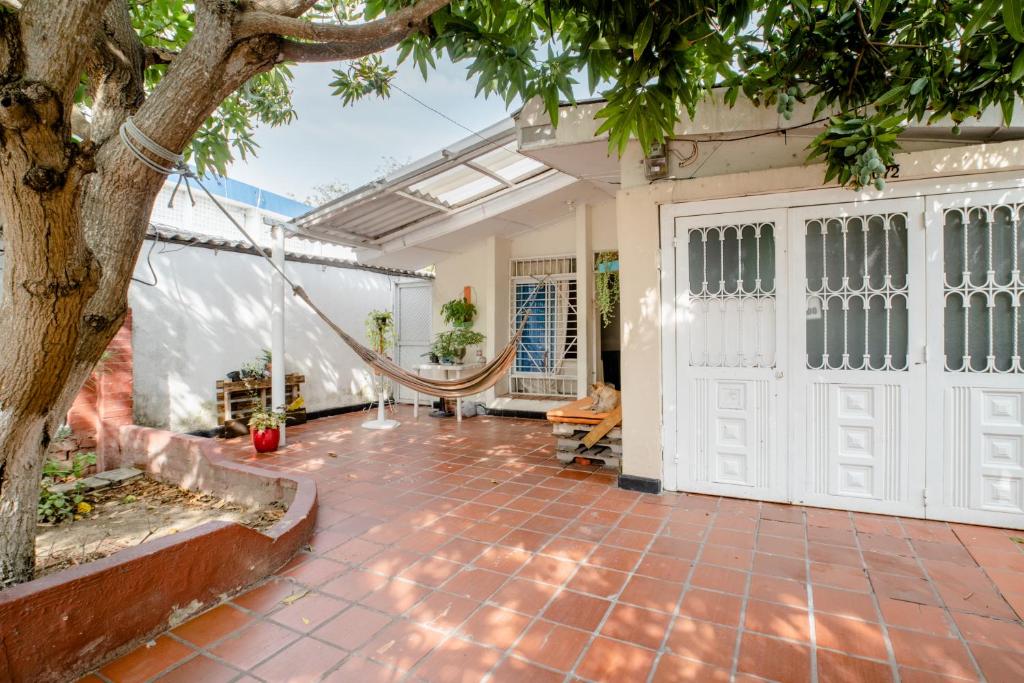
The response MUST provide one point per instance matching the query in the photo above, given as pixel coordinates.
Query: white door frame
(402, 394)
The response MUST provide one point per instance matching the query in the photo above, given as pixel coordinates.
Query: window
(857, 293)
(984, 290)
(732, 290)
(544, 291)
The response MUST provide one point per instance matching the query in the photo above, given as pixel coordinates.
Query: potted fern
(459, 313)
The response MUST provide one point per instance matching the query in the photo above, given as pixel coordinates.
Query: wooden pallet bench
(236, 400)
(572, 423)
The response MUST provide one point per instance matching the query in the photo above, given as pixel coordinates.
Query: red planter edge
(60, 626)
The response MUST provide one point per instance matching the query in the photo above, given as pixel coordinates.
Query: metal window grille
(732, 286)
(857, 291)
(544, 289)
(983, 289)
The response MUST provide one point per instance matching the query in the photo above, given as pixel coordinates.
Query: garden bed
(133, 513)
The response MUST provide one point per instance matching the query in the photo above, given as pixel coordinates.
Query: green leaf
(878, 9)
(1017, 70)
(985, 12)
(918, 85)
(643, 36)
(1013, 15)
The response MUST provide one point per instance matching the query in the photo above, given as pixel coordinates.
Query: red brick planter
(67, 623)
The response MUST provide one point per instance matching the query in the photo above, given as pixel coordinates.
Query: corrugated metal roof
(192, 239)
(475, 169)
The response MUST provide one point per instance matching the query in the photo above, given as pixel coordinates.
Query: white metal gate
(730, 331)
(976, 371)
(857, 354)
(894, 382)
(413, 327)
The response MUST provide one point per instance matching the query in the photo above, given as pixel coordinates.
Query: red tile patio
(449, 552)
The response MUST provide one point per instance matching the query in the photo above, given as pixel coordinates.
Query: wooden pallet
(236, 400)
(569, 445)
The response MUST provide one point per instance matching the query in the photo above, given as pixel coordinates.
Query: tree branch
(57, 36)
(401, 24)
(287, 8)
(294, 51)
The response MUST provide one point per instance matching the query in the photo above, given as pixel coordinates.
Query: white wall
(210, 312)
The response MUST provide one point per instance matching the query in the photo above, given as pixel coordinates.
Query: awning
(476, 170)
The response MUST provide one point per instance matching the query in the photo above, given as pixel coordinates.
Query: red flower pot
(266, 440)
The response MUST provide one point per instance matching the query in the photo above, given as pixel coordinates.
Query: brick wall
(104, 404)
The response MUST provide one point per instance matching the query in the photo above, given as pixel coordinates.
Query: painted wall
(209, 312)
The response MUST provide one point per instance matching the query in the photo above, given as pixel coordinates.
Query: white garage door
(864, 356)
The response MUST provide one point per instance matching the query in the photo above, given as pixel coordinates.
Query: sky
(329, 143)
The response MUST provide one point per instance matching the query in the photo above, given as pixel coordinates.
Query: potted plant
(265, 428)
(458, 313)
(451, 346)
(255, 369)
(380, 331)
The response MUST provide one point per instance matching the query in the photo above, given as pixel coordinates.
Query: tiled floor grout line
(812, 631)
(949, 613)
(889, 649)
(486, 602)
(453, 632)
(614, 600)
(563, 586)
(745, 600)
(663, 647)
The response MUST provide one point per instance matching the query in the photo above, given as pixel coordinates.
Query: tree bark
(75, 213)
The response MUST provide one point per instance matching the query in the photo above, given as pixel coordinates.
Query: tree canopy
(875, 65)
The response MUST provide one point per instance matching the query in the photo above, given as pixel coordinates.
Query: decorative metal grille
(545, 290)
(732, 287)
(983, 288)
(857, 293)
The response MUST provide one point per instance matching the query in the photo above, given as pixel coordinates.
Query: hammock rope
(167, 163)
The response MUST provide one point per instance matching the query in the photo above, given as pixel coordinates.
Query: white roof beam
(434, 227)
(489, 173)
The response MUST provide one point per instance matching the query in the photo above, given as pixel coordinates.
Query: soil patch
(133, 513)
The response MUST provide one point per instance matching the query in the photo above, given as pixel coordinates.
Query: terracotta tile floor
(464, 553)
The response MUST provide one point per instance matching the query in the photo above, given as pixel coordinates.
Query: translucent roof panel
(456, 186)
(509, 166)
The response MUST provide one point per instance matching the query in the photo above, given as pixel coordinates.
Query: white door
(857, 356)
(976, 359)
(729, 321)
(413, 328)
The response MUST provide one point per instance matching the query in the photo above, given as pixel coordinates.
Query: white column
(585, 310)
(277, 326)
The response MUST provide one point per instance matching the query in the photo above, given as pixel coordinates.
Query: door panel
(413, 315)
(858, 378)
(728, 331)
(976, 410)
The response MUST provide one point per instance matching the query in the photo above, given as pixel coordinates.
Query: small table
(443, 371)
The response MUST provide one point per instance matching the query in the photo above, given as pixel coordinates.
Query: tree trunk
(19, 494)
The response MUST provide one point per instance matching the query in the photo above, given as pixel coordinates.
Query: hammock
(468, 385)
(167, 162)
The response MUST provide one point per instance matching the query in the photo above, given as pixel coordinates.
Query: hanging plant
(458, 313)
(606, 286)
(380, 331)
